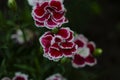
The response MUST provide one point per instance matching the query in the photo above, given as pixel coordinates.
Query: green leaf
(95, 8)
(37, 64)
(24, 67)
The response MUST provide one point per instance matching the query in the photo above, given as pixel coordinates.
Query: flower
(57, 45)
(49, 14)
(5, 78)
(83, 55)
(34, 2)
(56, 76)
(20, 76)
(18, 37)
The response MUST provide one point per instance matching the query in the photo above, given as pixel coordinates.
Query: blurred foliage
(28, 57)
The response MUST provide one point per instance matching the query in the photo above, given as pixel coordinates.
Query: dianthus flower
(57, 45)
(18, 37)
(34, 2)
(56, 77)
(49, 14)
(83, 55)
(5, 78)
(20, 76)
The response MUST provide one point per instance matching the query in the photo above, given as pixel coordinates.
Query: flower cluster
(22, 76)
(56, 76)
(59, 43)
(62, 43)
(18, 76)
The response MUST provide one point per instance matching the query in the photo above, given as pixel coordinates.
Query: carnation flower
(18, 37)
(83, 55)
(49, 14)
(56, 77)
(34, 2)
(20, 76)
(5, 78)
(57, 45)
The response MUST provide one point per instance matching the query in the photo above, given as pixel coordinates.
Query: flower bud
(65, 60)
(97, 51)
(55, 30)
(12, 5)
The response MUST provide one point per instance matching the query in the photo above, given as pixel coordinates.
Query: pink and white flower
(83, 55)
(34, 2)
(49, 14)
(58, 45)
(20, 76)
(18, 37)
(56, 76)
(5, 78)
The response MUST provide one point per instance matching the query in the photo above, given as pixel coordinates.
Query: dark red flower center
(49, 9)
(19, 78)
